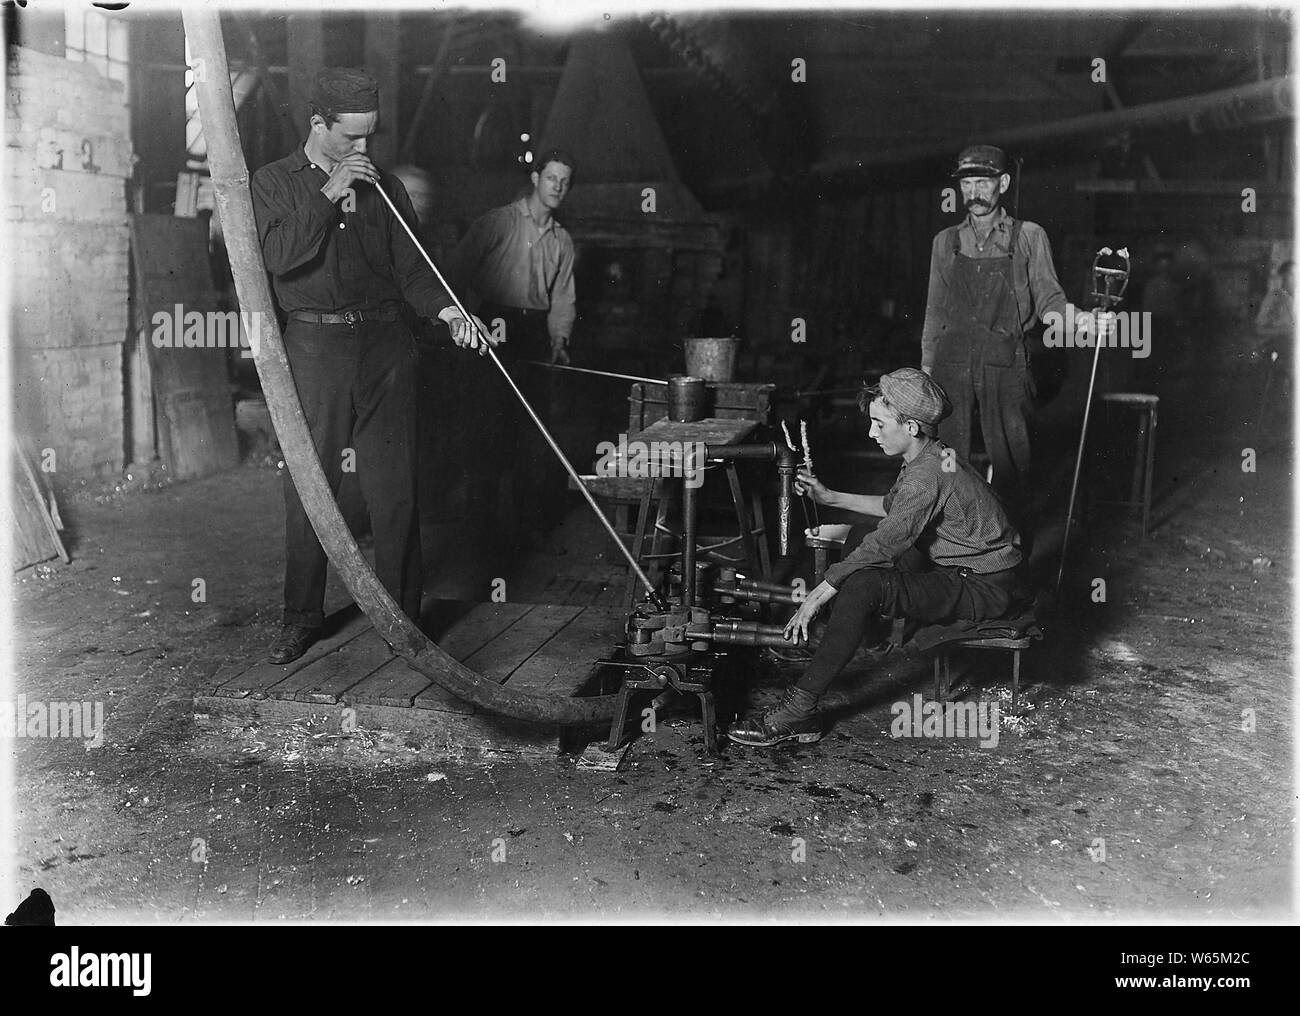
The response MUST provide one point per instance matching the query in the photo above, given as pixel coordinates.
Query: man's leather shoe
(794, 718)
(293, 641)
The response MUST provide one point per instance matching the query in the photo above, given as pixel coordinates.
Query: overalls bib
(980, 358)
(984, 327)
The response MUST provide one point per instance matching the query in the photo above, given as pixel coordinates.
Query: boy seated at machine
(943, 552)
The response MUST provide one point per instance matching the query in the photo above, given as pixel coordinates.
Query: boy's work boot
(794, 718)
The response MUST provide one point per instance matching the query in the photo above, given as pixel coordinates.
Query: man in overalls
(990, 277)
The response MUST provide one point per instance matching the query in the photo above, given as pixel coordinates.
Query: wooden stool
(1144, 463)
(1014, 646)
(750, 524)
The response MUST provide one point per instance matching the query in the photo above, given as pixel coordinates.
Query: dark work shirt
(951, 515)
(328, 260)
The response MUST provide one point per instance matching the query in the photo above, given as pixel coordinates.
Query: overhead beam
(1260, 102)
(712, 49)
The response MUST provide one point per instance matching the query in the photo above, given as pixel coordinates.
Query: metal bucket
(686, 398)
(712, 359)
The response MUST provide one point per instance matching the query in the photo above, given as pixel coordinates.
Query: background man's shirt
(506, 259)
(953, 517)
(1037, 289)
(327, 260)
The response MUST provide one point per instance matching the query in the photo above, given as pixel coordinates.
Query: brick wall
(68, 155)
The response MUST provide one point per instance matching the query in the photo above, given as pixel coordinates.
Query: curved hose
(235, 206)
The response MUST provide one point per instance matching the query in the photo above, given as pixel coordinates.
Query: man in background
(991, 276)
(518, 261)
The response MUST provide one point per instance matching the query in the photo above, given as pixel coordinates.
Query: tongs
(812, 521)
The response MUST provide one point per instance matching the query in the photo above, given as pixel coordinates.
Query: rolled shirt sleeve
(1044, 287)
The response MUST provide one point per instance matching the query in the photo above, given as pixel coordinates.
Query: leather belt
(497, 309)
(351, 317)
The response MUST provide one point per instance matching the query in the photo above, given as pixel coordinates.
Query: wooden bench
(1012, 636)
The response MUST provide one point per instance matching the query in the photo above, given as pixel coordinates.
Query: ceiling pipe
(1227, 109)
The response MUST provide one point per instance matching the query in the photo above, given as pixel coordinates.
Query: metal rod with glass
(1108, 285)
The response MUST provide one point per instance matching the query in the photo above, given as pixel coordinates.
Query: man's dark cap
(345, 90)
(981, 160)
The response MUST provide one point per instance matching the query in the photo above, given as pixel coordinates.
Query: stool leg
(742, 519)
(620, 718)
(760, 528)
(1150, 473)
(1015, 680)
(638, 541)
(622, 522)
(709, 715)
(1139, 463)
(942, 676)
(658, 539)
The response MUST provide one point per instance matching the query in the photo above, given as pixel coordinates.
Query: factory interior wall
(69, 155)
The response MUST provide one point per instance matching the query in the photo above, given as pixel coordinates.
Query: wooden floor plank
(329, 677)
(563, 664)
(437, 617)
(560, 590)
(470, 633)
(257, 680)
(396, 683)
(435, 696)
(497, 660)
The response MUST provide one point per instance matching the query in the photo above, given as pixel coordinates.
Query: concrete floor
(1127, 789)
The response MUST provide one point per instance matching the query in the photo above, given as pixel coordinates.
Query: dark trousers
(1003, 396)
(358, 385)
(512, 438)
(914, 588)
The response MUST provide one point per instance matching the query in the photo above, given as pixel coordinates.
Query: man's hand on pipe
(1100, 324)
(352, 167)
(468, 334)
(807, 485)
(560, 350)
